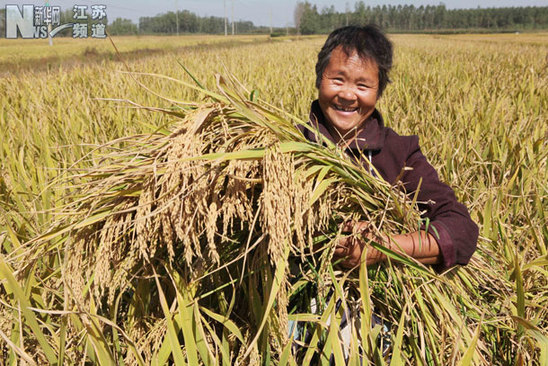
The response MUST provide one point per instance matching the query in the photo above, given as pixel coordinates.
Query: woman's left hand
(419, 245)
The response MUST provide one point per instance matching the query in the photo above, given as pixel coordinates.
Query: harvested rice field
(158, 206)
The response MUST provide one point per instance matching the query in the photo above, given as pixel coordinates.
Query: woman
(351, 75)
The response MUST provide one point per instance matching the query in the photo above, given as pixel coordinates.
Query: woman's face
(348, 91)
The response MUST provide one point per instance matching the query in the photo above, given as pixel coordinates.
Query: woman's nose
(347, 93)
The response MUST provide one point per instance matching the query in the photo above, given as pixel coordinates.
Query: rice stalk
(188, 198)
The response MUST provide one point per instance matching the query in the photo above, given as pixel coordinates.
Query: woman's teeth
(345, 109)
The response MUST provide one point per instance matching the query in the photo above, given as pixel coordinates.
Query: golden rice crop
(232, 188)
(150, 263)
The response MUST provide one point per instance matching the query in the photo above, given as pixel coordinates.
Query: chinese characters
(96, 13)
(47, 15)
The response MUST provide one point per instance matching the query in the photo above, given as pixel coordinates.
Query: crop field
(37, 55)
(101, 154)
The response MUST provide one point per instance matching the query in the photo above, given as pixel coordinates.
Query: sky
(278, 13)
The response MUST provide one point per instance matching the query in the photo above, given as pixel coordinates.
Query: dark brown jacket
(455, 231)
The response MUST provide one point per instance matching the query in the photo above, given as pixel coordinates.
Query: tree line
(187, 22)
(405, 18)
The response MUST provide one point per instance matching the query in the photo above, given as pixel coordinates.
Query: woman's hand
(419, 245)
(350, 248)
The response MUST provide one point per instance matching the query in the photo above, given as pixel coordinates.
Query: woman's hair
(369, 42)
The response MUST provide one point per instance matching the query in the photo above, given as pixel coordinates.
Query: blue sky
(259, 12)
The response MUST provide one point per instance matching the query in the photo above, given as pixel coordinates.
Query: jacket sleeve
(450, 222)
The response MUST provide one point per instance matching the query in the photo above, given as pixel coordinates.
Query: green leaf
(398, 341)
(278, 281)
(468, 357)
(226, 322)
(171, 336)
(13, 286)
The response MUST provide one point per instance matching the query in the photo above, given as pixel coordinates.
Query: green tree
(310, 21)
(122, 26)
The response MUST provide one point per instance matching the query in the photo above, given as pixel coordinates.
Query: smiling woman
(351, 75)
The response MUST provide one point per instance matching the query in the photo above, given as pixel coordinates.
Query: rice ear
(229, 196)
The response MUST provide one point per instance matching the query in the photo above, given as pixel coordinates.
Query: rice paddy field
(152, 212)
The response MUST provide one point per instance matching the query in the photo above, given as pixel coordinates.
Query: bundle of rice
(199, 242)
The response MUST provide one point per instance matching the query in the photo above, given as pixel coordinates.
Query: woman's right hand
(349, 249)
